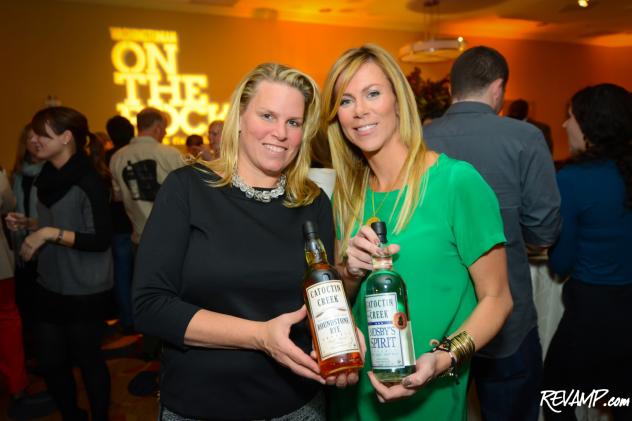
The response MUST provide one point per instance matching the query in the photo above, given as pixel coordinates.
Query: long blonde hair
(300, 190)
(352, 168)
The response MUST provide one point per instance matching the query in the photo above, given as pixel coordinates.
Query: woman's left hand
(428, 367)
(33, 242)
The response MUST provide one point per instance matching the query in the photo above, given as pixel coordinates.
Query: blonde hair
(352, 168)
(299, 190)
(22, 152)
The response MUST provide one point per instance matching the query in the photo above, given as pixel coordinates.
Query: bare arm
(215, 330)
(489, 274)
(34, 241)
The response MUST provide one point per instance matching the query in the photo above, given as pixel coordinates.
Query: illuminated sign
(146, 64)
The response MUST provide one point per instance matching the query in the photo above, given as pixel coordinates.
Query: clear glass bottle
(332, 326)
(389, 326)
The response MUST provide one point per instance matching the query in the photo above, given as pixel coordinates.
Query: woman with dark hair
(594, 250)
(96, 149)
(72, 239)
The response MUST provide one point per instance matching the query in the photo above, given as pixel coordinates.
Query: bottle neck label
(333, 325)
(390, 332)
(315, 252)
(382, 262)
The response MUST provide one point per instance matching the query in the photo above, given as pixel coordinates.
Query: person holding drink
(445, 233)
(220, 263)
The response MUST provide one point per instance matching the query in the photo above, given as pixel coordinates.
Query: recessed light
(582, 3)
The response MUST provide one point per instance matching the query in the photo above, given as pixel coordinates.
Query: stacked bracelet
(460, 348)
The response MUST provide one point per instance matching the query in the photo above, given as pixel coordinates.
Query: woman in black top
(72, 239)
(219, 268)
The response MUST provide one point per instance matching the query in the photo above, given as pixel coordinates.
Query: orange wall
(548, 74)
(64, 49)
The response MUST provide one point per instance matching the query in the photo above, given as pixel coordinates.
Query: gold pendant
(372, 220)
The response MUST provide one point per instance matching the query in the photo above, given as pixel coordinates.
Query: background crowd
(202, 254)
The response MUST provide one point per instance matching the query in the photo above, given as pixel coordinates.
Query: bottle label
(390, 332)
(332, 319)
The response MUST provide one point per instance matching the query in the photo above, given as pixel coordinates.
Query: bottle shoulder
(384, 273)
(384, 280)
(321, 272)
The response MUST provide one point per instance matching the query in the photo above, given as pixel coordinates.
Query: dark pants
(151, 344)
(592, 347)
(509, 388)
(25, 280)
(60, 346)
(123, 255)
(69, 330)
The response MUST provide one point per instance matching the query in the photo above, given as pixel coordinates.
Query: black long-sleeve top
(213, 248)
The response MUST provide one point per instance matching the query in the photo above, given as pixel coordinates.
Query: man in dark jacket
(513, 158)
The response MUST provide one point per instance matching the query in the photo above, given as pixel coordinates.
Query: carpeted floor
(123, 359)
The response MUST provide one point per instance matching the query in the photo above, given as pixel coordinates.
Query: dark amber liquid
(339, 363)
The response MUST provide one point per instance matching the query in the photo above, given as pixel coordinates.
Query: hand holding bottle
(334, 333)
(360, 249)
(428, 366)
(342, 380)
(276, 342)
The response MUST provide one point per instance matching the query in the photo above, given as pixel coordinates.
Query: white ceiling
(605, 22)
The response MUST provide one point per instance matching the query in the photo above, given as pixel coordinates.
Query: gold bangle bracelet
(463, 347)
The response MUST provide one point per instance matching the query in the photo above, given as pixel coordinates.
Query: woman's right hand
(275, 341)
(16, 221)
(428, 366)
(360, 249)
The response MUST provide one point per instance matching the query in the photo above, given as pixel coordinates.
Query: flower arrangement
(433, 97)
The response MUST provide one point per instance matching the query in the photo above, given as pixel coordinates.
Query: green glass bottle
(389, 327)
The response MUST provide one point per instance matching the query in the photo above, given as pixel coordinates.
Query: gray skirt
(313, 410)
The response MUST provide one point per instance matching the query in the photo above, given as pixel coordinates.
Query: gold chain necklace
(374, 218)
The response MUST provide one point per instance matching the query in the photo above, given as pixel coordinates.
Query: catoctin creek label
(332, 319)
(390, 336)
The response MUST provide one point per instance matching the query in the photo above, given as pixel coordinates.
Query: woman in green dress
(446, 235)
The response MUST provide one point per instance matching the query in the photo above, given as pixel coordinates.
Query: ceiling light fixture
(583, 3)
(432, 49)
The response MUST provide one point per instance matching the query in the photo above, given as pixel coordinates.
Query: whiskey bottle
(389, 327)
(332, 326)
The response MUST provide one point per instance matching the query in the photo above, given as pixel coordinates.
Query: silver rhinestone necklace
(264, 196)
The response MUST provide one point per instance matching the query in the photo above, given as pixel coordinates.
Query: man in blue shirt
(514, 159)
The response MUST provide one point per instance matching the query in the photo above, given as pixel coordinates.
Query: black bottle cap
(380, 230)
(310, 230)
